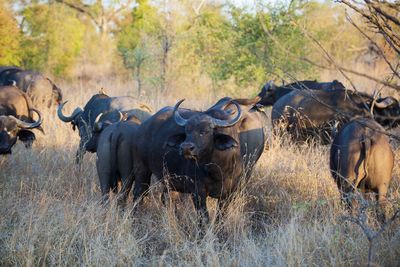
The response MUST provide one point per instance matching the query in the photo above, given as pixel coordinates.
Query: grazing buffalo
(105, 119)
(39, 88)
(85, 118)
(114, 159)
(361, 158)
(270, 93)
(312, 113)
(202, 153)
(16, 118)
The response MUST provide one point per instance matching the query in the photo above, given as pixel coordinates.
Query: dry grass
(288, 214)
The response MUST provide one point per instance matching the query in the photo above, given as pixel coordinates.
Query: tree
(254, 56)
(104, 15)
(10, 37)
(149, 29)
(382, 18)
(137, 40)
(45, 46)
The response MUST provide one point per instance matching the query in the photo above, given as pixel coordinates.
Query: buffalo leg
(381, 205)
(165, 197)
(80, 152)
(105, 183)
(221, 210)
(127, 183)
(345, 189)
(142, 184)
(79, 156)
(200, 204)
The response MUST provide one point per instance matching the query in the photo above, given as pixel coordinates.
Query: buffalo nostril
(187, 147)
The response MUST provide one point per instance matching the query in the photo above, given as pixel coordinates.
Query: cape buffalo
(270, 93)
(85, 118)
(202, 153)
(361, 158)
(39, 88)
(5, 71)
(312, 113)
(16, 118)
(114, 159)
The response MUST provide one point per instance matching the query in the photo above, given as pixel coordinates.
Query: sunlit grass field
(288, 214)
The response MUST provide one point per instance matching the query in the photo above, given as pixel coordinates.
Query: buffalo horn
(178, 118)
(29, 125)
(386, 102)
(97, 124)
(75, 114)
(121, 116)
(226, 123)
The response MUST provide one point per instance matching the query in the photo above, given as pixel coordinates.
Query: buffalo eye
(10, 132)
(224, 142)
(175, 140)
(204, 132)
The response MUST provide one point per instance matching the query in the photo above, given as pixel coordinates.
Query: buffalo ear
(176, 140)
(27, 137)
(224, 142)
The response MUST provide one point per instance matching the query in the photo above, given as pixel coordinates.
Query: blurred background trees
(203, 47)
(10, 36)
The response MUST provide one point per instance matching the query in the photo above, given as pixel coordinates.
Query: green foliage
(143, 21)
(221, 43)
(138, 41)
(327, 23)
(178, 43)
(53, 38)
(10, 37)
(257, 55)
(204, 44)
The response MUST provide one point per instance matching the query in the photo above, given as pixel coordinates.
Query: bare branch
(327, 55)
(84, 9)
(381, 53)
(113, 15)
(378, 20)
(377, 8)
(296, 57)
(198, 8)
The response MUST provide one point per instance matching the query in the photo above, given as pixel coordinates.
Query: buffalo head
(386, 111)
(204, 132)
(269, 94)
(102, 121)
(11, 128)
(74, 119)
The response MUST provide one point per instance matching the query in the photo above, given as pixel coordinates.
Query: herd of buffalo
(211, 152)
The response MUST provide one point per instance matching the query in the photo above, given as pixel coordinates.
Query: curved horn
(386, 102)
(64, 118)
(121, 116)
(178, 118)
(226, 123)
(29, 125)
(97, 124)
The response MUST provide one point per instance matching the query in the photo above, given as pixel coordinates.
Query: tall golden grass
(289, 214)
